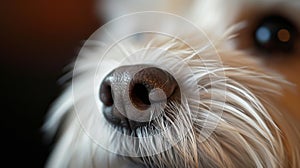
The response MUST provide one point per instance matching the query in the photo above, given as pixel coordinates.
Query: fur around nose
(141, 86)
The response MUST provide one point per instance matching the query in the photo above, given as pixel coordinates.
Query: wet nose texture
(142, 84)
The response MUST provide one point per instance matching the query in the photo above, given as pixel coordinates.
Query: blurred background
(38, 39)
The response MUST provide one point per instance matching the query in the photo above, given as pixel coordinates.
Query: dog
(205, 83)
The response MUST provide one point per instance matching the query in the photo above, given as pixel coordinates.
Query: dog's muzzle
(133, 96)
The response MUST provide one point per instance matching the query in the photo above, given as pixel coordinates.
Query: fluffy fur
(236, 120)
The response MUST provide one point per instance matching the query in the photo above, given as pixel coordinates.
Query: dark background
(38, 38)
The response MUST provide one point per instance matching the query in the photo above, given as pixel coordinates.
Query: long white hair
(229, 115)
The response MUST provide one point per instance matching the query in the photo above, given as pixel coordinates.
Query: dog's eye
(275, 34)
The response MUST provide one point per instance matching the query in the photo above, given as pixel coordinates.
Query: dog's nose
(138, 86)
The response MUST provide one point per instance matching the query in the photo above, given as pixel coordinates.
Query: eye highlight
(275, 34)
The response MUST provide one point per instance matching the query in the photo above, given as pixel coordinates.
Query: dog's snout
(140, 85)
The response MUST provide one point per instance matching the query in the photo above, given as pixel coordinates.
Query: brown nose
(129, 92)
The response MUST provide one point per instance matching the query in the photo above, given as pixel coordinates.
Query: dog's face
(281, 53)
(153, 89)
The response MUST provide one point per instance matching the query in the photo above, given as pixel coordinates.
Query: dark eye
(275, 34)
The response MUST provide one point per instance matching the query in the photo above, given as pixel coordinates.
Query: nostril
(139, 95)
(151, 85)
(106, 94)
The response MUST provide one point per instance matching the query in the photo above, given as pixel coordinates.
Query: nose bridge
(121, 77)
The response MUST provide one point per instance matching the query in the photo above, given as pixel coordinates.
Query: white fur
(252, 130)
